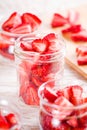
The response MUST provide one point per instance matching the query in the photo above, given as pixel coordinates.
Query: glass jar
(63, 105)
(10, 118)
(34, 68)
(10, 30)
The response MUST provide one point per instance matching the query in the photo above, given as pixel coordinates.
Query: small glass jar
(63, 106)
(34, 68)
(10, 118)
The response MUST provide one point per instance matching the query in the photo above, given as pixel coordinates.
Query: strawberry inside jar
(63, 105)
(12, 27)
(39, 58)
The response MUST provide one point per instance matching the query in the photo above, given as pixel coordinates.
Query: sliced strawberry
(81, 50)
(39, 45)
(63, 126)
(26, 46)
(11, 118)
(82, 60)
(72, 29)
(31, 19)
(31, 97)
(12, 22)
(4, 44)
(22, 29)
(62, 102)
(73, 121)
(73, 17)
(49, 94)
(4, 125)
(76, 93)
(80, 36)
(7, 55)
(50, 37)
(58, 20)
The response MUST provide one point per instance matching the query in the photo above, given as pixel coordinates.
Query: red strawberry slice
(49, 94)
(4, 44)
(75, 94)
(31, 97)
(50, 37)
(82, 60)
(63, 126)
(12, 22)
(39, 45)
(62, 103)
(58, 20)
(7, 55)
(4, 125)
(22, 29)
(81, 50)
(72, 29)
(80, 36)
(11, 118)
(26, 46)
(73, 17)
(73, 121)
(31, 19)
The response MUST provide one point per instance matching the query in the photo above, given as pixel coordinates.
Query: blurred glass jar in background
(39, 58)
(11, 27)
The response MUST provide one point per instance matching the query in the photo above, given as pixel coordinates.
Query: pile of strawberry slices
(9, 122)
(14, 26)
(72, 30)
(21, 24)
(64, 109)
(43, 60)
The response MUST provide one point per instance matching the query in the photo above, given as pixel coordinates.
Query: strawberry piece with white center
(31, 19)
(26, 46)
(73, 17)
(39, 45)
(12, 22)
(80, 36)
(22, 29)
(75, 95)
(49, 94)
(63, 104)
(81, 50)
(73, 121)
(82, 60)
(58, 20)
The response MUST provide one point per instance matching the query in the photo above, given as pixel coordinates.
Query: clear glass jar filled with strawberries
(39, 58)
(11, 27)
(63, 106)
(10, 118)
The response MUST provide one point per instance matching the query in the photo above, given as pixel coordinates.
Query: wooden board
(71, 58)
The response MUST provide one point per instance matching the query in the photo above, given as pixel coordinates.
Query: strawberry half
(75, 94)
(4, 125)
(82, 60)
(49, 94)
(11, 118)
(31, 19)
(26, 46)
(80, 36)
(58, 20)
(12, 22)
(22, 29)
(81, 50)
(39, 45)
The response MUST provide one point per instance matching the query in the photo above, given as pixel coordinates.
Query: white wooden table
(8, 77)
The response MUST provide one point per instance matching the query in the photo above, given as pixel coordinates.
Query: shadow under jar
(63, 105)
(39, 58)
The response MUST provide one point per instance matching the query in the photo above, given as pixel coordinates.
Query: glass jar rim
(41, 88)
(60, 53)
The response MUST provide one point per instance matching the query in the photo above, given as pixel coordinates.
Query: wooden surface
(8, 77)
